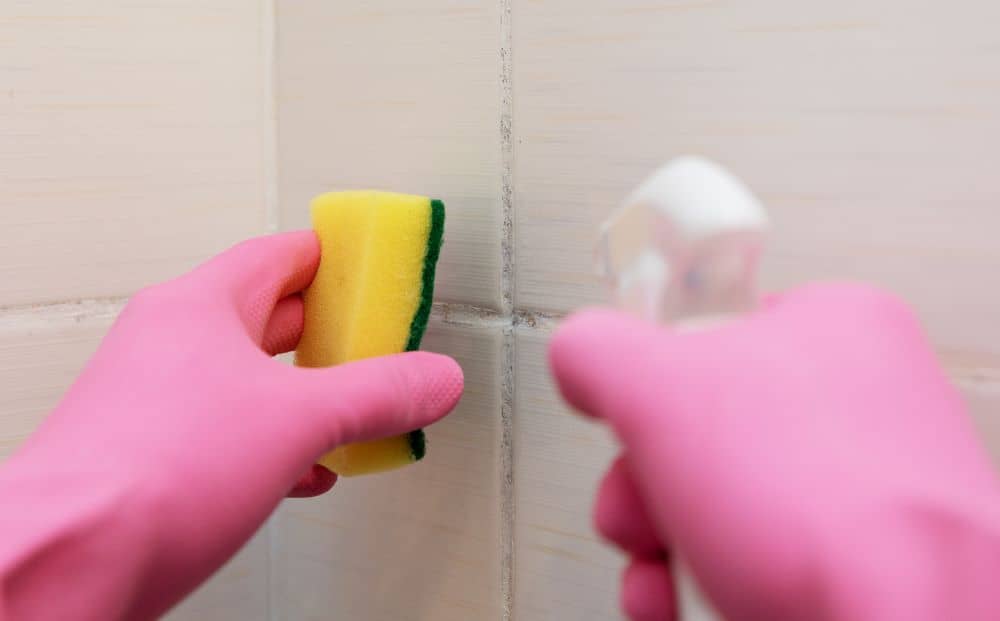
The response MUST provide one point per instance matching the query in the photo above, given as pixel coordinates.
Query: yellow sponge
(371, 296)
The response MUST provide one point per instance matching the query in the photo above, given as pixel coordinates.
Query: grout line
(468, 315)
(507, 302)
(980, 377)
(449, 313)
(269, 114)
(508, 306)
(507, 498)
(538, 320)
(20, 317)
(983, 371)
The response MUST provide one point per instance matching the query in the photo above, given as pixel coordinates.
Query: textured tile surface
(562, 569)
(420, 543)
(867, 127)
(130, 141)
(983, 398)
(40, 355)
(399, 96)
(238, 592)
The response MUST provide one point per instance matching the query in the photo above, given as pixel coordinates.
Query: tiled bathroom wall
(139, 138)
(416, 90)
(134, 141)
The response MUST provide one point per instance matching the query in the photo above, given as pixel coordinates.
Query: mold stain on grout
(506, 159)
(508, 307)
(76, 311)
(507, 498)
(458, 314)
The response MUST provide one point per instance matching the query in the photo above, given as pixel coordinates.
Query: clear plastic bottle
(683, 249)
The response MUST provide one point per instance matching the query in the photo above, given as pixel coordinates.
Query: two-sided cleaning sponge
(371, 296)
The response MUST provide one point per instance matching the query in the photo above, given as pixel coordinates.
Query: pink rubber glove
(810, 462)
(182, 435)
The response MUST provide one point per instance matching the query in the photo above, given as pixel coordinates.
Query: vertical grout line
(507, 308)
(507, 499)
(507, 302)
(269, 113)
(269, 144)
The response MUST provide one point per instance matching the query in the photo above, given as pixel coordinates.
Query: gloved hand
(182, 435)
(809, 462)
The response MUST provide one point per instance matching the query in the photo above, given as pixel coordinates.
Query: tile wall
(138, 138)
(134, 142)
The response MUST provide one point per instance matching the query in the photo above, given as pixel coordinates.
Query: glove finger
(591, 355)
(368, 399)
(620, 515)
(648, 591)
(284, 327)
(317, 481)
(255, 274)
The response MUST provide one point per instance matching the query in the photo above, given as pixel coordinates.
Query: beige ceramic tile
(869, 129)
(983, 399)
(419, 543)
(238, 592)
(40, 355)
(401, 96)
(130, 141)
(562, 569)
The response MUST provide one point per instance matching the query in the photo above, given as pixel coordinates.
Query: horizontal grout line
(967, 373)
(965, 377)
(107, 308)
(963, 369)
(537, 319)
(970, 368)
(468, 315)
(77, 311)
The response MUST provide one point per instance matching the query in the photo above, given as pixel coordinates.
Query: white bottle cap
(685, 244)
